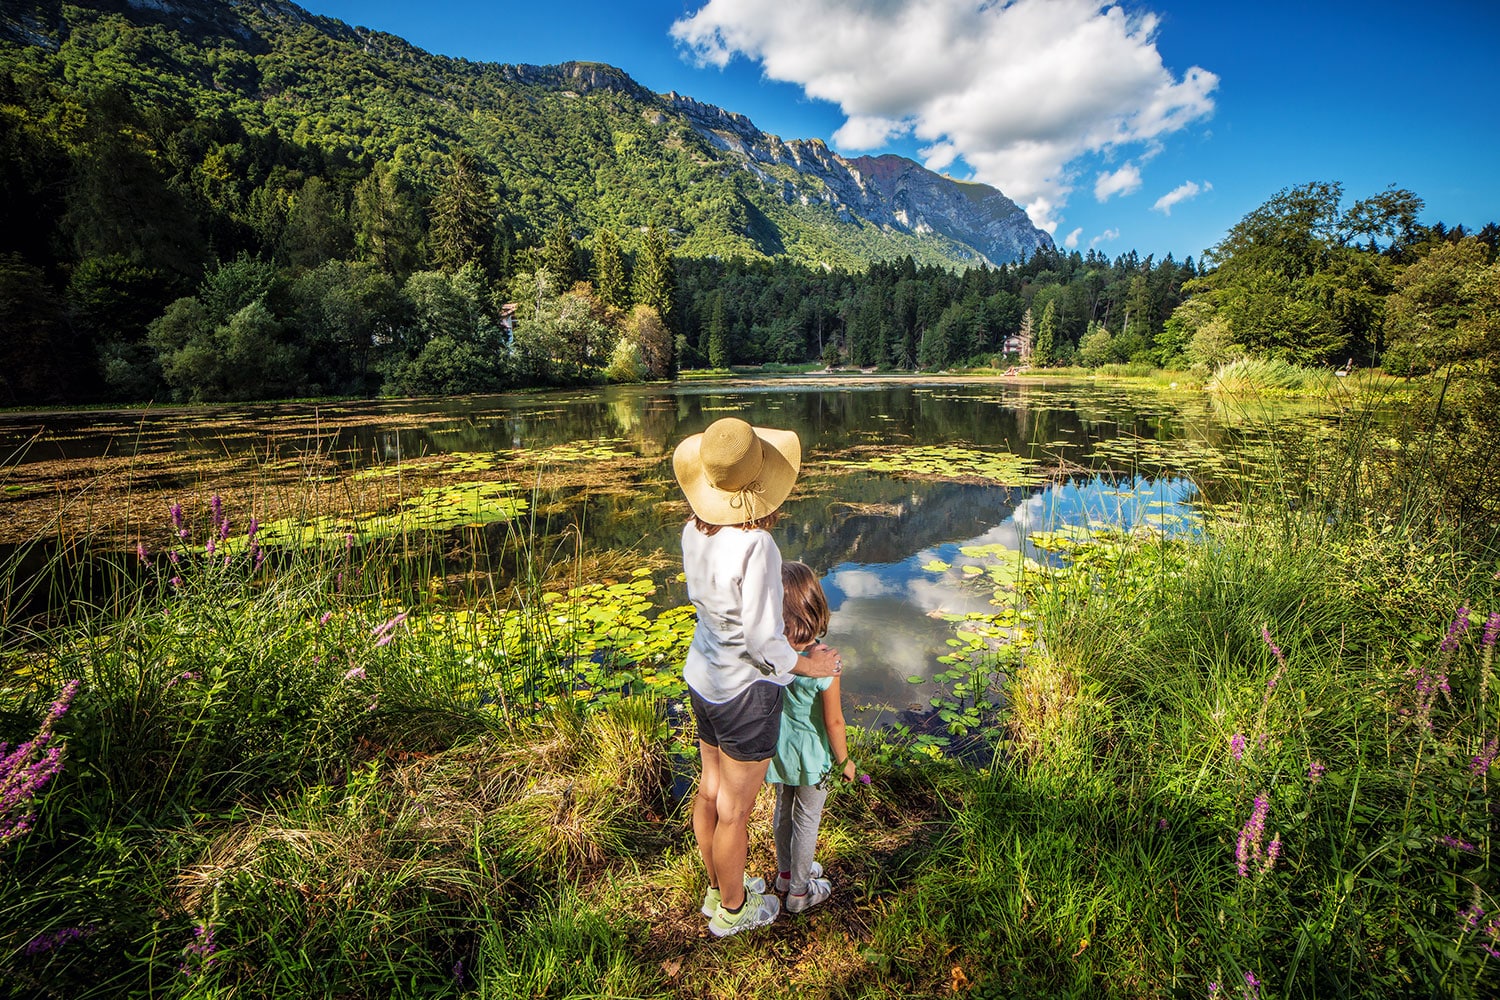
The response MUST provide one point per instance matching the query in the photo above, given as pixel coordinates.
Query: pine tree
(1046, 336)
(609, 270)
(718, 334)
(387, 222)
(654, 281)
(462, 216)
(560, 255)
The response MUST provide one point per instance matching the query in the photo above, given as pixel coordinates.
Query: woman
(735, 478)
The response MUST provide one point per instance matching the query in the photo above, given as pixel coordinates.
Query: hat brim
(781, 460)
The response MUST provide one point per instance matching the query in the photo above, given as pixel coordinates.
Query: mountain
(890, 191)
(257, 84)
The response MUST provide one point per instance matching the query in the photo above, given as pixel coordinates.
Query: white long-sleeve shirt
(734, 580)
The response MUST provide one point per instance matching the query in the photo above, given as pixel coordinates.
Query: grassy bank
(1256, 763)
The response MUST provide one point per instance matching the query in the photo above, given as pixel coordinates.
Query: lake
(911, 489)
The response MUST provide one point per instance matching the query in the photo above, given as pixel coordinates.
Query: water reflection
(886, 613)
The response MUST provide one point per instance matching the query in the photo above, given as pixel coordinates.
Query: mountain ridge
(756, 193)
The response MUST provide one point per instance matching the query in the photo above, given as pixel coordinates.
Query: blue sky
(1147, 126)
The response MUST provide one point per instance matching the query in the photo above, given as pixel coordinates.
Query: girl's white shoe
(818, 891)
(784, 884)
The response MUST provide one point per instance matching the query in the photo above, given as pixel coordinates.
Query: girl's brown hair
(765, 523)
(804, 607)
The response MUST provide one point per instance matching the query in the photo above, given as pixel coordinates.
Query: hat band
(745, 498)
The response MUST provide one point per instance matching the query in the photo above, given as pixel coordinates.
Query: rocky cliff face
(889, 191)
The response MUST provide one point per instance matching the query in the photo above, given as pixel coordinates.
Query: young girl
(811, 746)
(735, 477)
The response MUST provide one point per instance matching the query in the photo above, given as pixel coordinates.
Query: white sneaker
(757, 911)
(783, 884)
(818, 891)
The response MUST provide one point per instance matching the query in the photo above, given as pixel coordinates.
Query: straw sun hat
(733, 473)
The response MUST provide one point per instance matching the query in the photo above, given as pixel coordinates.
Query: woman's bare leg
(739, 782)
(706, 808)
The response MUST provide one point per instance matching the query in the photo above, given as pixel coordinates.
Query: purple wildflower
(1252, 986)
(1455, 632)
(173, 558)
(208, 546)
(1237, 746)
(1273, 851)
(198, 954)
(1162, 824)
(186, 675)
(1491, 631)
(1315, 772)
(458, 973)
(141, 555)
(1456, 844)
(1265, 634)
(1481, 764)
(354, 674)
(385, 632)
(1247, 846)
(1492, 931)
(25, 770)
(176, 512)
(1213, 990)
(259, 556)
(55, 939)
(251, 530)
(176, 581)
(348, 541)
(1429, 685)
(1471, 916)
(864, 779)
(216, 508)
(323, 619)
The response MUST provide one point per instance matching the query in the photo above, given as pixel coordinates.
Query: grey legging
(798, 811)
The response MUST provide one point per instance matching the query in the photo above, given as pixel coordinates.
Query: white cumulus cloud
(1104, 237)
(1126, 180)
(1071, 240)
(1180, 193)
(1019, 89)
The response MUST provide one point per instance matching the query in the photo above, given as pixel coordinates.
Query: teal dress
(803, 756)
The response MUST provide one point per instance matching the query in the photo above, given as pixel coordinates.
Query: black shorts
(746, 726)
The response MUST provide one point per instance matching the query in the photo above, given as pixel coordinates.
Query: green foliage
(1250, 375)
(1097, 347)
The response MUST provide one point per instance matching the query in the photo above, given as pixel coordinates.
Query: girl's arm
(833, 722)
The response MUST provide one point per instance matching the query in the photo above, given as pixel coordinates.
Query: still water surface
(1105, 455)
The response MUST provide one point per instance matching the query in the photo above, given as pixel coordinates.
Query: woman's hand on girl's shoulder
(819, 661)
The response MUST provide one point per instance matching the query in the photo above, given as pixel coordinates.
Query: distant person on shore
(812, 746)
(735, 478)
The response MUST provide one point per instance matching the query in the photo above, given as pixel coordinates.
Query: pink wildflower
(1315, 772)
(1248, 845)
(1481, 764)
(1237, 745)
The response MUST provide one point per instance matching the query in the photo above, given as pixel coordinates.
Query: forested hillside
(207, 200)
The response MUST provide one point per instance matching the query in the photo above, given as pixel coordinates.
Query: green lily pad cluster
(579, 451)
(598, 642)
(954, 463)
(436, 508)
(1180, 457)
